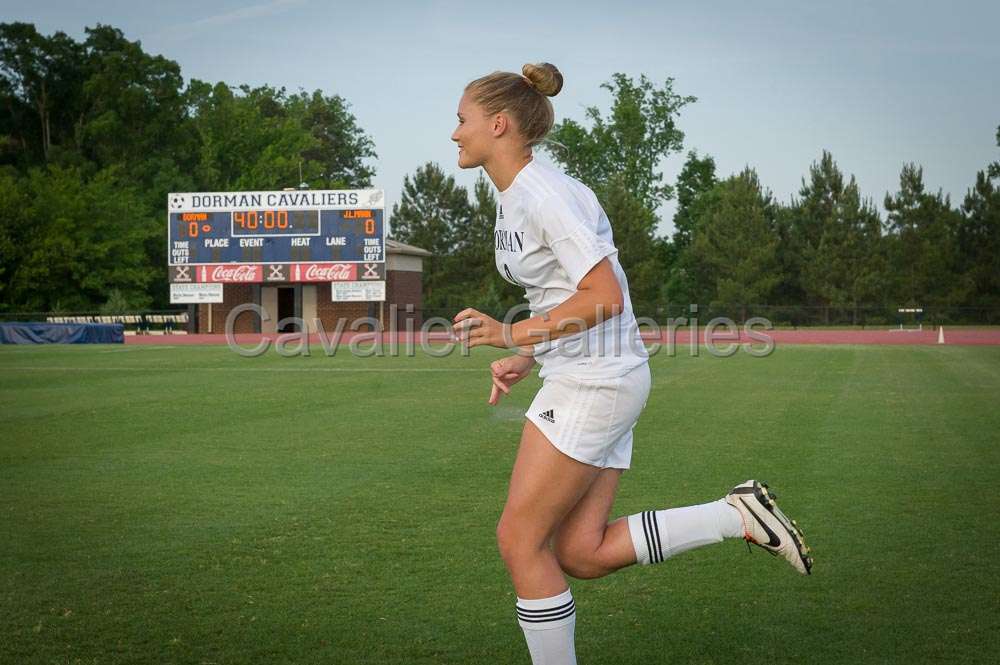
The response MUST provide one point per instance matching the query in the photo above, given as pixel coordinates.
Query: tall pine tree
(695, 182)
(842, 265)
(923, 247)
(979, 238)
(735, 245)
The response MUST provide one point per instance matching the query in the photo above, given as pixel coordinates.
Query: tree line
(94, 134)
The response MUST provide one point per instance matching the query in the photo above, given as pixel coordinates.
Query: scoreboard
(261, 236)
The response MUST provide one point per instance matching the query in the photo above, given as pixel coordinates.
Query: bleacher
(135, 324)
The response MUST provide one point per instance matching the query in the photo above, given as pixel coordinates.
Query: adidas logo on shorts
(548, 415)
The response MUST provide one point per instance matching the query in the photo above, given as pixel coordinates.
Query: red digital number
(192, 229)
(241, 218)
(252, 220)
(282, 219)
(269, 219)
(370, 226)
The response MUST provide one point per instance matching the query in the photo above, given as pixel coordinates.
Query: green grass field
(187, 505)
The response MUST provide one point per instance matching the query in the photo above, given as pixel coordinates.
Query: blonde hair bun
(544, 77)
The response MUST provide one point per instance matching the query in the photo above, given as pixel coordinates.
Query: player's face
(472, 135)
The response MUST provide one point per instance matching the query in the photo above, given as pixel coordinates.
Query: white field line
(137, 347)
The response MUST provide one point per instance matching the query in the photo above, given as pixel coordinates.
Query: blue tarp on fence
(18, 332)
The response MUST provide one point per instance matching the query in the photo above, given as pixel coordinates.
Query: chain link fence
(149, 322)
(786, 316)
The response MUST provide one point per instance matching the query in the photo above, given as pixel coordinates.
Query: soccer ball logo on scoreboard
(321, 235)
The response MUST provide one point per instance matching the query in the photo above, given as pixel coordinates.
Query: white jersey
(550, 231)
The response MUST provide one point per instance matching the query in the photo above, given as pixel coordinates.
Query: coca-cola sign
(239, 273)
(247, 273)
(324, 272)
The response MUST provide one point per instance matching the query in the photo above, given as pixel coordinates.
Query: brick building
(309, 301)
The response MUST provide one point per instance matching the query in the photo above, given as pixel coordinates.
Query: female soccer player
(553, 239)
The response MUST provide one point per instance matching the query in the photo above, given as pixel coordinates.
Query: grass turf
(187, 505)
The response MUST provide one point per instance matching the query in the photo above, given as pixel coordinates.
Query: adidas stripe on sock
(548, 625)
(661, 534)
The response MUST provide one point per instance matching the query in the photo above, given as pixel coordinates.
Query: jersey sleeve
(574, 242)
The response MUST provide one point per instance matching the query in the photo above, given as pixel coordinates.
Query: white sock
(548, 625)
(661, 534)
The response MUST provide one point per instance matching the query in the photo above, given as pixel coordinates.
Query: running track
(953, 336)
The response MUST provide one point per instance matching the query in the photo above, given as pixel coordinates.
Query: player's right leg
(765, 525)
(587, 546)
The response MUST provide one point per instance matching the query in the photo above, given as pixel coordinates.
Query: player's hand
(506, 372)
(478, 329)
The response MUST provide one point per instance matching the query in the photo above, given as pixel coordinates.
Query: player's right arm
(505, 372)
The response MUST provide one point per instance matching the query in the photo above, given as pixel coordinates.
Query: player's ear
(500, 125)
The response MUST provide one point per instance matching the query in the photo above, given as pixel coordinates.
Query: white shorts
(591, 420)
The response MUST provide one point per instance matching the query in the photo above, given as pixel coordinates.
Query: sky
(877, 84)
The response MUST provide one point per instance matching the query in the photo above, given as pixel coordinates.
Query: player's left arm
(568, 227)
(597, 299)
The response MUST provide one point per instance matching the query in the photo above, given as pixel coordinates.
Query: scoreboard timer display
(275, 228)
